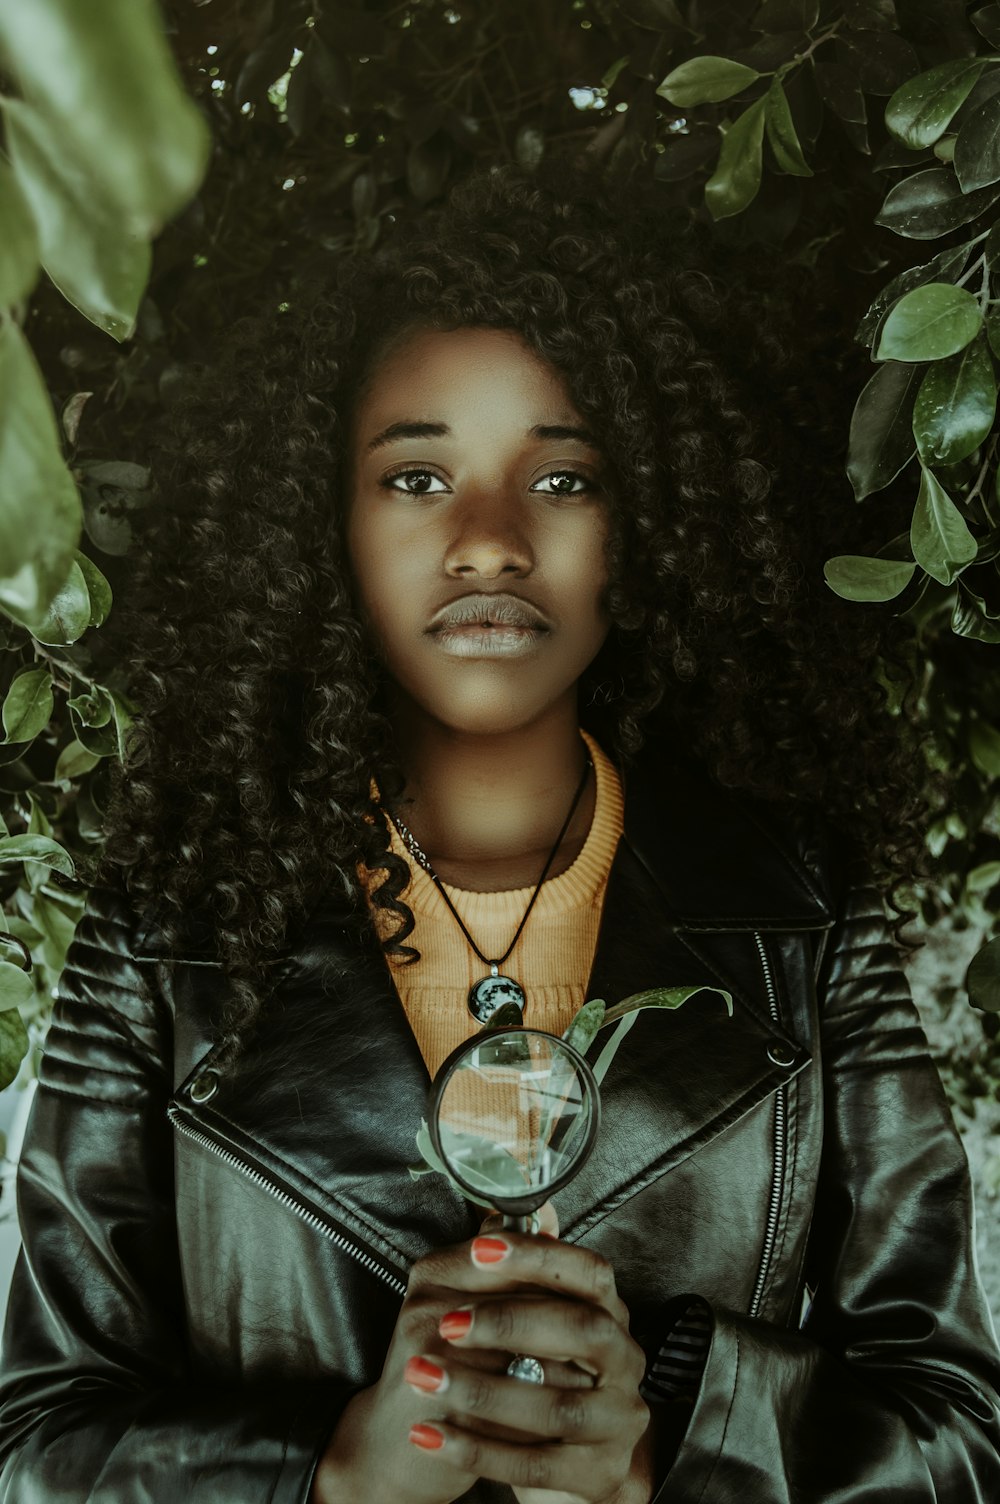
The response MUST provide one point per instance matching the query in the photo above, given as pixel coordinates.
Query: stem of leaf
(978, 488)
(70, 668)
(970, 272)
(803, 57)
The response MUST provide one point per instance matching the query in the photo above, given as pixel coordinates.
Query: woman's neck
(486, 809)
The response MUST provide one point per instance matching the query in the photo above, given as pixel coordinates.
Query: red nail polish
(428, 1437)
(489, 1250)
(423, 1374)
(456, 1324)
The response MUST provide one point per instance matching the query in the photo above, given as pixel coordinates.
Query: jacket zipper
(287, 1199)
(780, 1130)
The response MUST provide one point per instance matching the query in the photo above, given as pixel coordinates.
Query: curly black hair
(246, 789)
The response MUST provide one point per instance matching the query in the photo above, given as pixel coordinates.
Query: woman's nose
(489, 539)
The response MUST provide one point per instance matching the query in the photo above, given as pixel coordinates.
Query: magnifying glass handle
(521, 1224)
(522, 1366)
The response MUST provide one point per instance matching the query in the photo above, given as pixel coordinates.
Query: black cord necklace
(490, 993)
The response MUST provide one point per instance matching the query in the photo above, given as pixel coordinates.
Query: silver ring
(528, 1370)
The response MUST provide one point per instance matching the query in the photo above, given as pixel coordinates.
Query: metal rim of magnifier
(519, 1205)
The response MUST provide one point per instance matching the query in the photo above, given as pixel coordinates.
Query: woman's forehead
(434, 380)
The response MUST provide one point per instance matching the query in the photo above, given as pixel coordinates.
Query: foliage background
(327, 122)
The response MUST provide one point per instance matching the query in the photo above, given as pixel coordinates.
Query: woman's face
(477, 527)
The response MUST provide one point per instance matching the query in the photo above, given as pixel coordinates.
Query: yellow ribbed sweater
(552, 959)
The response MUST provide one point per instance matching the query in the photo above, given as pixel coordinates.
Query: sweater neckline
(579, 885)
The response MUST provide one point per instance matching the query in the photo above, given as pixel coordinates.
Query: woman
(480, 635)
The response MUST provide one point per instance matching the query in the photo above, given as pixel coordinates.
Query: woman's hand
(576, 1436)
(444, 1412)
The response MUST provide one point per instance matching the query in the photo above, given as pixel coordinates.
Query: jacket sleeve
(890, 1389)
(99, 1400)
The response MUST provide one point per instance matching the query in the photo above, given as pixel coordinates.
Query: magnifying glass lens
(514, 1114)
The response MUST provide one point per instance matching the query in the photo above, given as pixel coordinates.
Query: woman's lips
(480, 640)
(482, 625)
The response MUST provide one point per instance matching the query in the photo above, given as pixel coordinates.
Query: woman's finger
(568, 1330)
(496, 1261)
(590, 1472)
(469, 1397)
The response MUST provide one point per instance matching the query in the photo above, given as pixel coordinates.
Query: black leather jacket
(213, 1261)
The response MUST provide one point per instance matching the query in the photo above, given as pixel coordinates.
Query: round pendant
(489, 994)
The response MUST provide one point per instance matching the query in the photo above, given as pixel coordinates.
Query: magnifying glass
(514, 1112)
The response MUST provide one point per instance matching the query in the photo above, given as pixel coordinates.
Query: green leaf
(857, 578)
(603, 1062)
(983, 877)
(625, 1013)
(73, 762)
(101, 740)
(782, 135)
(929, 323)
(984, 747)
(881, 439)
(991, 247)
(27, 709)
(16, 986)
(607, 80)
(931, 203)
(124, 713)
(970, 617)
(706, 80)
(993, 330)
(982, 980)
(986, 20)
(584, 1026)
(736, 179)
(95, 708)
(98, 589)
(490, 1167)
(39, 824)
(941, 541)
(946, 266)
(57, 929)
(955, 406)
(662, 997)
(36, 849)
(94, 260)
(14, 1045)
(977, 147)
(432, 1161)
(922, 108)
(41, 515)
(19, 242)
(14, 925)
(105, 79)
(68, 614)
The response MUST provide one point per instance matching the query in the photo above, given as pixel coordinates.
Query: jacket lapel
(331, 1094)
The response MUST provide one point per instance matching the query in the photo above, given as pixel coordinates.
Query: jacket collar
(329, 1097)
(720, 860)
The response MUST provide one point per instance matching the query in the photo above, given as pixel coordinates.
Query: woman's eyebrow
(413, 430)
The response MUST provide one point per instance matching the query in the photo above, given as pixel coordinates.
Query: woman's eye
(423, 475)
(565, 482)
(564, 475)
